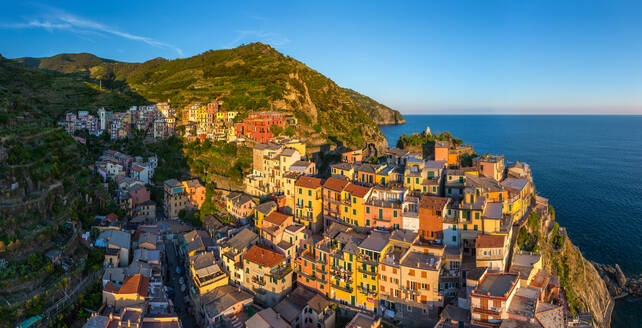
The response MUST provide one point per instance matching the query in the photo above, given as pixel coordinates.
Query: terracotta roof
(264, 257)
(489, 241)
(277, 218)
(433, 202)
(136, 284)
(138, 168)
(335, 184)
(308, 182)
(111, 288)
(357, 190)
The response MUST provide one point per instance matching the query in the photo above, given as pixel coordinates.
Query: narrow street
(182, 309)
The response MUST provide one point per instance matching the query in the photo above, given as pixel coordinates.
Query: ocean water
(590, 168)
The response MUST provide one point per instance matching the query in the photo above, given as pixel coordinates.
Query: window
(475, 227)
(367, 222)
(381, 213)
(408, 180)
(345, 208)
(354, 200)
(417, 180)
(309, 192)
(300, 191)
(465, 227)
(394, 214)
(354, 211)
(423, 274)
(367, 210)
(411, 273)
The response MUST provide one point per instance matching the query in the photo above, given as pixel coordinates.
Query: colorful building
(308, 203)
(257, 125)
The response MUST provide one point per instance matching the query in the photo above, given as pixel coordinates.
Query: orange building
(352, 156)
(441, 150)
(195, 192)
(431, 216)
(332, 200)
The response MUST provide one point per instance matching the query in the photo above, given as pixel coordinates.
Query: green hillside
(45, 186)
(248, 78)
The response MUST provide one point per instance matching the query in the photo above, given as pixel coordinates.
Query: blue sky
(419, 57)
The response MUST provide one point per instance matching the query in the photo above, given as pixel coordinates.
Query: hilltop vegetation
(46, 187)
(248, 78)
(27, 93)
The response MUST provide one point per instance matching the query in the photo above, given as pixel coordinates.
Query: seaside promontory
(240, 185)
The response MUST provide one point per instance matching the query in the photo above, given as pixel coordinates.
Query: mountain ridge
(247, 78)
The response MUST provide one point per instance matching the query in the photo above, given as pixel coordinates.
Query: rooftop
(357, 190)
(489, 241)
(266, 318)
(496, 284)
(433, 202)
(362, 320)
(308, 182)
(242, 239)
(263, 256)
(335, 184)
(420, 260)
(493, 210)
(376, 241)
(515, 184)
(277, 218)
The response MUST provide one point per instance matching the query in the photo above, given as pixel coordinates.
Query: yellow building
(352, 210)
(343, 169)
(367, 274)
(226, 116)
(289, 142)
(308, 203)
(342, 250)
(206, 274)
(263, 210)
(519, 191)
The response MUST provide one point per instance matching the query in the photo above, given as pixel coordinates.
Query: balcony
(304, 275)
(343, 277)
(258, 281)
(489, 311)
(366, 259)
(345, 289)
(370, 272)
(367, 292)
(410, 291)
(280, 272)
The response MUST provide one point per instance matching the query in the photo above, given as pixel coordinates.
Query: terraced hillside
(248, 78)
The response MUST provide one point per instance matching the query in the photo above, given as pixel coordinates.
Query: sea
(589, 167)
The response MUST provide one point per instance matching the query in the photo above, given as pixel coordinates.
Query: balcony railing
(367, 292)
(491, 311)
(345, 289)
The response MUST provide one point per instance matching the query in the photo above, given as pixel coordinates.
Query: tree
(276, 130)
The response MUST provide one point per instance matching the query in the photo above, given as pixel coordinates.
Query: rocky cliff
(585, 290)
(381, 114)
